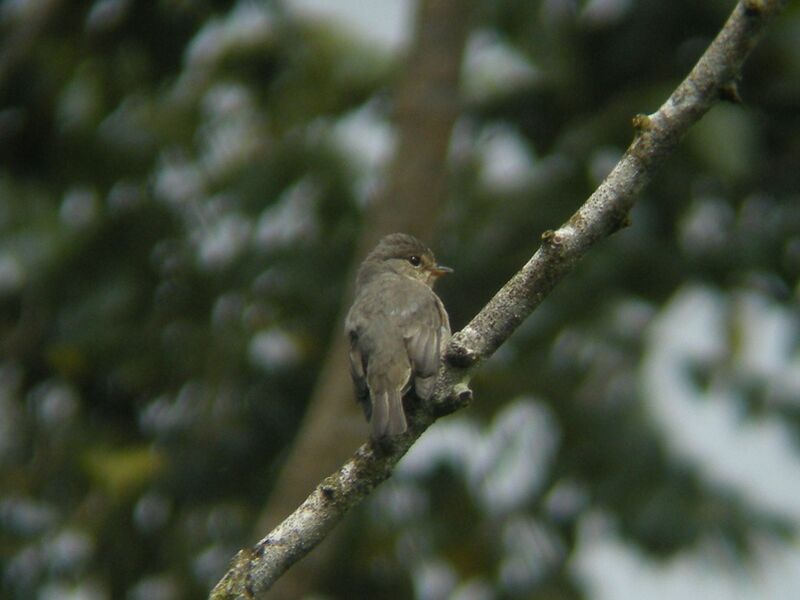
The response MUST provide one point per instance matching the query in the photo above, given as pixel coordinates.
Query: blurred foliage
(181, 188)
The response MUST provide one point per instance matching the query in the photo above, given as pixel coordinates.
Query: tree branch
(714, 77)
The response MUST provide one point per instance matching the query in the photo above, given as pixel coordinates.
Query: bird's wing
(426, 330)
(358, 368)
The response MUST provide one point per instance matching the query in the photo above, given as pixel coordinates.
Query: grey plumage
(397, 328)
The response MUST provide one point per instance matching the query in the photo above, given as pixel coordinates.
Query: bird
(397, 327)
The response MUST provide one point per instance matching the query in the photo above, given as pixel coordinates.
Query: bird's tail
(388, 416)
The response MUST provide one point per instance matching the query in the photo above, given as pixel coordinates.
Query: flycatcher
(397, 328)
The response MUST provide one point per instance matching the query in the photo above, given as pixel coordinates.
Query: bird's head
(406, 255)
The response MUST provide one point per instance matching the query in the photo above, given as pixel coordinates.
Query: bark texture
(714, 77)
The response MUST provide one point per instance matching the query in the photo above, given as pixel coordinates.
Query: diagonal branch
(713, 78)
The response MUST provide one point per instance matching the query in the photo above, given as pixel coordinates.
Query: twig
(714, 77)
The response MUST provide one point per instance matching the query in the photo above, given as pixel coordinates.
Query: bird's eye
(415, 260)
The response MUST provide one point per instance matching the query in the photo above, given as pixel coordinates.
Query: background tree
(181, 194)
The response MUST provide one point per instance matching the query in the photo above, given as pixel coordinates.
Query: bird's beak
(439, 270)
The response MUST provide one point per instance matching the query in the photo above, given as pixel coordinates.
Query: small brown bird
(397, 328)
